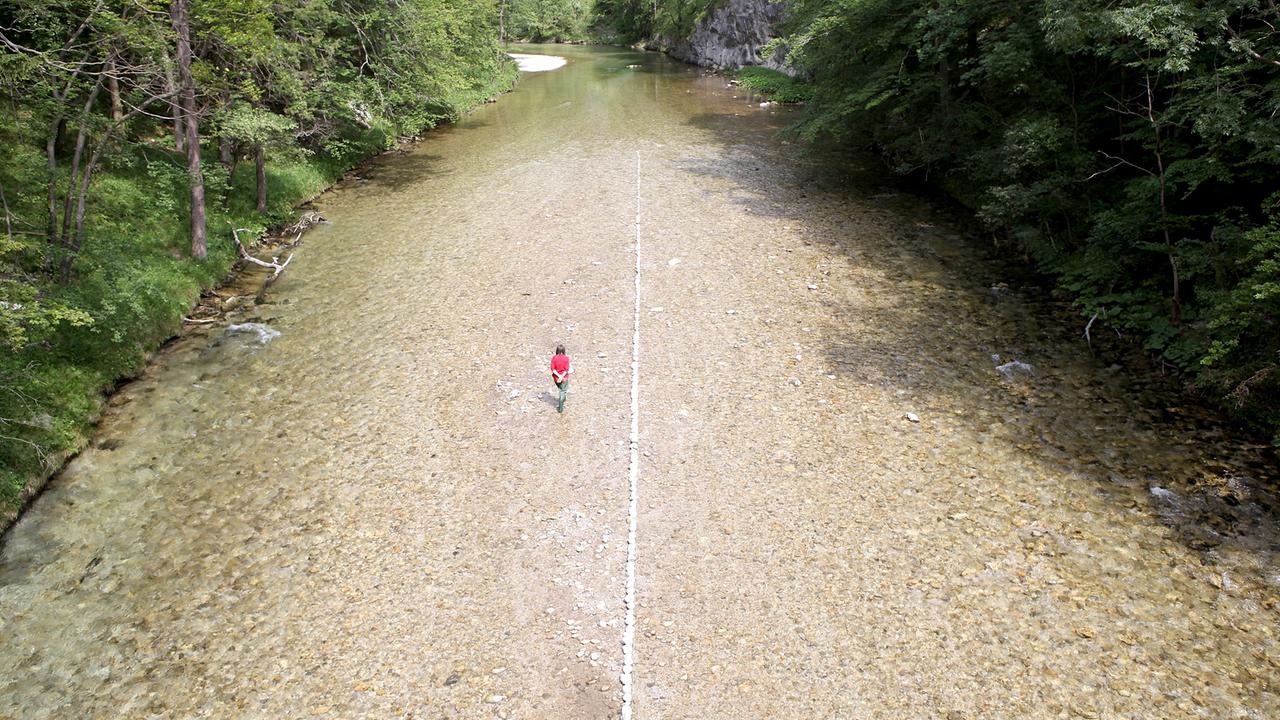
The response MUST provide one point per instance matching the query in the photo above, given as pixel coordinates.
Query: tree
(191, 125)
(1128, 149)
(255, 130)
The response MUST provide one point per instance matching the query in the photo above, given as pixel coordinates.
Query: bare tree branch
(275, 263)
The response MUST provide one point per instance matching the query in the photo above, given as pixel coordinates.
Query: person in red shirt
(561, 369)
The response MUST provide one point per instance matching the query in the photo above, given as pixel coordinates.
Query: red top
(560, 368)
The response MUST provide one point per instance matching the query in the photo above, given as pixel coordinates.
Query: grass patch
(774, 85)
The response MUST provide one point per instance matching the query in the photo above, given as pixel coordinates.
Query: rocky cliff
(732, 36)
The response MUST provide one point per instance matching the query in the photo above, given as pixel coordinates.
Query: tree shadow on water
(927, 314)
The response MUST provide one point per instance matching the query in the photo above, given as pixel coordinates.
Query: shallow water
(378, 513)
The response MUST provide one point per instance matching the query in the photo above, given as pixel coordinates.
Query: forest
(1127, 150)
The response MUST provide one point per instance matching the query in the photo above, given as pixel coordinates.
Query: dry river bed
(377, 513)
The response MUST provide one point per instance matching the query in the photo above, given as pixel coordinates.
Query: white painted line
(629, 628)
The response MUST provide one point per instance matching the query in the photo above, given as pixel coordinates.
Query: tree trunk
(1176, 309)
(191, 125)
(113, 87)
(260, 164)
(82, 137)
(51, 153)
(226, 155)
(171, 85)
(226, 146)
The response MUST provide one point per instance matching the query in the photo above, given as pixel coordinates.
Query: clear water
(378, 513)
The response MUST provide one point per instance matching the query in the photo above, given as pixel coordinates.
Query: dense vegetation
(635, 20)
(545, 20)
(138, 133)
(1129, 149)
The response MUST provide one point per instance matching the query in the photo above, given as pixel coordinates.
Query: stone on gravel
(1016, 368)
(912, 417)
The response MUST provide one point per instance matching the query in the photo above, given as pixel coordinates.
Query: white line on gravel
(629, 629)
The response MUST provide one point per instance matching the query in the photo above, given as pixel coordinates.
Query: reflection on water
(172, 569)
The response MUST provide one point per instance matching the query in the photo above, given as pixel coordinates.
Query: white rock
(913, 417)
(673, 262)
(1014, 368)
(812, 286)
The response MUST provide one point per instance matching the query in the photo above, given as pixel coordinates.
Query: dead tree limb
(275, 264)
(1089, 327)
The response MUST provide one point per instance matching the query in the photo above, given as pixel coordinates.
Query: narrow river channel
(846, 510)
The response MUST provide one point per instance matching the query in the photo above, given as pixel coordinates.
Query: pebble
(913, 417)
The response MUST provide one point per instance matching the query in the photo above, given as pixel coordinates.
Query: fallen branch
(304, 223)
(275, 263)
(196, 321)
(1087, 338)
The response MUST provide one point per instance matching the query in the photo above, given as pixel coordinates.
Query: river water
(378, 512)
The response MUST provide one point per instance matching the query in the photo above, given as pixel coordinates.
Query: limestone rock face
(732, 36)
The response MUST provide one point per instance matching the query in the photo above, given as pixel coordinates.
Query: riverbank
(135, 285)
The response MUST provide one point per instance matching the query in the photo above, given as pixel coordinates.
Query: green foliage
(635, 20)
(547, 20)
(256, 127)
(1127, 148)
(776, 86)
